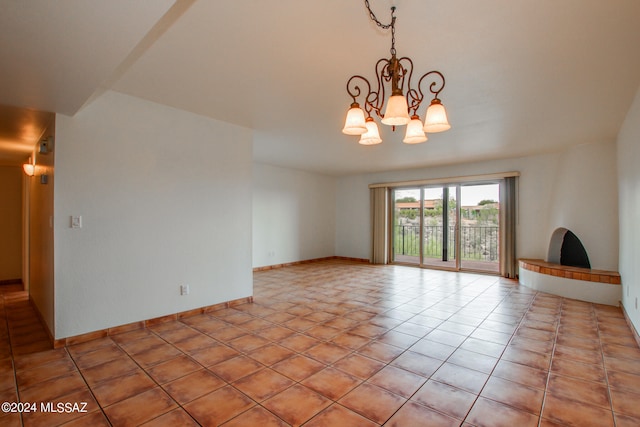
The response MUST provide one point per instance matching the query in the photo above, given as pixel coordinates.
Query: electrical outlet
(184, 289)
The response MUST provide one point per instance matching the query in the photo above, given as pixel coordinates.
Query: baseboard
(142, 324)
(77, 339)
(41, 318)
(308, 261)
(631, 326)
(11, 282)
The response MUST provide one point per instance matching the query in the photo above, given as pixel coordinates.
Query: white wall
(587, 191)
(535, 187)
(353, 216)
(629, 210)
(539, 177)
(165, 199)
(11, 222)
(39, 212)
(293, 215)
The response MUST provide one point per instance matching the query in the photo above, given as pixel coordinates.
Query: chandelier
(400, 109)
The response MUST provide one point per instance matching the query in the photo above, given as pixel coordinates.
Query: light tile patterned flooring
(341, 344)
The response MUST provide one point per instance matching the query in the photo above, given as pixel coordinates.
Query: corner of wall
(628, 174)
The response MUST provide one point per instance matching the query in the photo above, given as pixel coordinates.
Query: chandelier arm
(437, 84)
(414, 100)
(397, 72)
(407, 74)
(354, 90)
(375, 99)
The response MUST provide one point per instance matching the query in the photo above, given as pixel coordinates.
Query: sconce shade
(354, 124)
(436, 120)
(29, 169)
(397, 112)
(372, 136)
(414, 134)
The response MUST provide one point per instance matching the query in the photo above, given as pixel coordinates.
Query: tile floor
(340, 344)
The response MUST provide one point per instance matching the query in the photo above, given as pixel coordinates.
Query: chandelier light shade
(436, 120)
(415, 134)
(401, 107)
(372, 135)
(355, 123)
(397, 112)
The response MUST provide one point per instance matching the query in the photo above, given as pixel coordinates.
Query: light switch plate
(76, 221)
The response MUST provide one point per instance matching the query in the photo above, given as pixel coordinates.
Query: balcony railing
(479, 243)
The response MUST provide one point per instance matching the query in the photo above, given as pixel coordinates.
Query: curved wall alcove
(567, 272)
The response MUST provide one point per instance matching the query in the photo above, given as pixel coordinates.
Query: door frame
(446, 186)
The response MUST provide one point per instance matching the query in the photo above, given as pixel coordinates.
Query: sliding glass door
(480, 227)
(406, 225)
(439, 227)
(452, 227)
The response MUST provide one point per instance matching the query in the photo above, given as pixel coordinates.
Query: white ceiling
(522, 77)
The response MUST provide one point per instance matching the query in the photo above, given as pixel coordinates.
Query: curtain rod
(450, 180)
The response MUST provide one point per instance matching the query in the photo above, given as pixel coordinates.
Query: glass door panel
(439, 227)
(406, 226)
(479, 228)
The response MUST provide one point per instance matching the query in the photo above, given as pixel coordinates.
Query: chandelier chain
(391, 25)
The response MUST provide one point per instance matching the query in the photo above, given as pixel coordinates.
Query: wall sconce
(29, 168)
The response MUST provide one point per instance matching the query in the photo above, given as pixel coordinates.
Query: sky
(471, 194)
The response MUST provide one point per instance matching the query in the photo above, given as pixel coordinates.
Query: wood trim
(143, 324)
(307, 261)
(634, 331)
(575, 273)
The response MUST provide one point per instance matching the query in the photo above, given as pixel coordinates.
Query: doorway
(454, 227)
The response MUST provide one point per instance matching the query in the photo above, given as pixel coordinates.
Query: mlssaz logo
(63, 407)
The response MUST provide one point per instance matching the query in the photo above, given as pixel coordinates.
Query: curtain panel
(379, 209)
(508, 210)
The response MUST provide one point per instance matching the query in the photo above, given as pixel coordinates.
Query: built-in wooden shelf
(576, 273)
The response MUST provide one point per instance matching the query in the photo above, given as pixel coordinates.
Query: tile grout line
(467, 337)
(522, 318)
(117, 344)
(13, 358)
(458, 347)
(553, 351)
(604, 367)
(351, 352)
(332, 364)
(183, 353)
(246, 354)
(317, 294)
(66, 349)
(227, 382)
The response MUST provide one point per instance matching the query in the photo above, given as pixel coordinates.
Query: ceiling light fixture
(400, 109)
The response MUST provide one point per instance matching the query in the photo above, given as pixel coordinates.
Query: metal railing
(478, 243)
